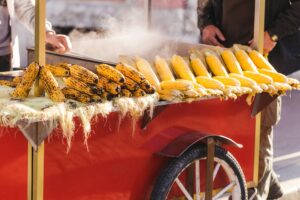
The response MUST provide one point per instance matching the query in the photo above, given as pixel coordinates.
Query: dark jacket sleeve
(287, 22)
(205, 14)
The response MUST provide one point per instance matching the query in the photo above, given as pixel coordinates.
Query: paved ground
(287, 148)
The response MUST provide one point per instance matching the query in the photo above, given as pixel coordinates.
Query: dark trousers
(5, 63)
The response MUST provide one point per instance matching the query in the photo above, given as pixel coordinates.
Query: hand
(269, 44)
(59, 43)
(211, 34)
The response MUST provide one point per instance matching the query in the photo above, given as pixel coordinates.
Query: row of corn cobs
(80, 83)
(213, 72)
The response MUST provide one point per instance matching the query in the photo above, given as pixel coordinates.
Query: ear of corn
(198, 66)
(178, 84)
(96, 98)
(23, 88)
(81, 86)
(192, 93)
(83, 74)
(110, 73)
(260, 61)
(210, 83)
(8, 83)
(282, 86)
(112, 88)
(228, 81)
(130, 72)
(131, 85)
(182, 69)
(146, 69)
(245, 61)
(51, 86)
(76, 95)
(215, 64)
(231, 62)
(58, 71)
(106, 96)
(277, 77)
(126, 93)
(247, 82)
(139, 93)
(17, 79)
(163, 69)
(258, 78)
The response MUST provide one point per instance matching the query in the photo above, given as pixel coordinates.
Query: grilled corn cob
(146, 69)
(76, 95)
(228, 81)
(277, 77)
(258, 78)
(198, 66)
(81, 86)
(163, 69)
(130, 72)
(109, 86)
(182, 69)
(106, 96)
(210, 83)
(126, 93)
(215, 64)
(83, 74)
(259, 60)
(51, 86)
(231, 62)
(17, 79)
(139, 93)
(244, 60)
(178, 84)
(131, 85)
(23, 88)
(8, 83)
(59, 70)
(110, 73)
(147, 87)
(96, 98)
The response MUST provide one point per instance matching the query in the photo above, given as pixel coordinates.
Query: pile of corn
(225, 73)
(81, 84)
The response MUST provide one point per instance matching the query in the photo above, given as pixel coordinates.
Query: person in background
(224, 23)
(12, 13)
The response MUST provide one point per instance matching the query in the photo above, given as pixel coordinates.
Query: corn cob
(130, 72)
(81, 86)
(109, 86)
(215, 64)
(110, 73)
(258, 78)
(244, 60)
(146, 69)
(126, 93)
(277, 77)
(17, 79)
(147, 87)
(282, 86)
(106, 96)
(51, 86)
(178, 84)
(58, 70)
(163, 69)
(198, 66)
(23, 88)
(76, 95)
(174, 93)
(131, 85)
(8, 83)
(260, 61)
(139, 93)
(231, 62)
(227, 81)
(83, 74)
(96, 98)
(192, 93)
(182, 69)
(210, 83)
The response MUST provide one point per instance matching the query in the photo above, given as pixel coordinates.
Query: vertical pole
(148, 13)
(259, 25)
(209, 168)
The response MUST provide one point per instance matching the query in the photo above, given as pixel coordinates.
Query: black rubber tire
(174, 168)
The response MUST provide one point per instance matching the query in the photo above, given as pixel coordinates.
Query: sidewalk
(287, 146)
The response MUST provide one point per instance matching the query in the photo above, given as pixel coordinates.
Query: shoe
(275, 191)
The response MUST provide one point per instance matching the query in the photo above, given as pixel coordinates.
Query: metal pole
(148, 13)
(259, 25)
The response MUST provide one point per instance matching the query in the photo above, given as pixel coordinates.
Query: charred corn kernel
(192, 93)
(215, 64)
(182, 69)
(130, 72)
(76, 95)
(231, 62)
(163, 69)
(58, 71)
(260, 61)
(17, 79)
(51, 86)
(228, 81)
(178, 84)
(146, 69)
(112, 88)
(23, 88)
(126, 93)
(131, 85)
(83, 74)
(96, 98)
(258, 78)
(277, 77)
(198, 66)
(110, 73)
(245, 61)
(210, 83)
(8, 83)
(139, 93)
(106, 96)
(147, 87)
(81, 86)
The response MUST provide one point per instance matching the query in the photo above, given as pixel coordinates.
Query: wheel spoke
(216, 170)
(197, 174)
(224, 190)
(182, 188)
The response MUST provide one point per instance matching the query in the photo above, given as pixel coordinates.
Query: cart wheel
(181, 178)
